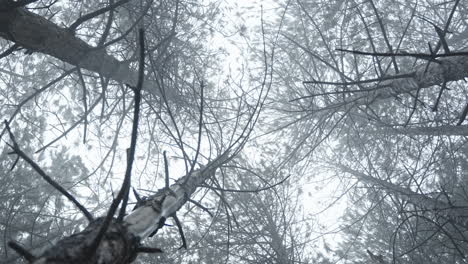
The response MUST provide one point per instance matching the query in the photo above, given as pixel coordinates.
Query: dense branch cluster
(243, 127)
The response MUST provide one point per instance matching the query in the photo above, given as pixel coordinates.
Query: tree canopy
(207, 131)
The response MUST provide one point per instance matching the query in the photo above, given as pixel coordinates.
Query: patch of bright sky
(322, 194)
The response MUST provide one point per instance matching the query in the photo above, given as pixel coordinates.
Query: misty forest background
(344, 121)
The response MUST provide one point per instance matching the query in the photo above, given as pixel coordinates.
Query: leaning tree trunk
(121, 244)
(445, 69)
(38, 34)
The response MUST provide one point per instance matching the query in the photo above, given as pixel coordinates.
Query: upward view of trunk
(448, 69)
(38, 34)
(122, 240)
(453, 68)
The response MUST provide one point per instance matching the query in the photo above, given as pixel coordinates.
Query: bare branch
(200, 126)
(384, 33)
(199, 205)
(21, 251)
(424, 56)
(91, 108)
(250, 191)
(149, 250)
(47, 178)
(181, 231)
(136, 118)
(9, 51)
(94, 14)
(85, 105)
(124, 190)
(36, 93)
(436, 104)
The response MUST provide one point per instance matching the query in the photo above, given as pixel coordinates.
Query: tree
(371, 91)
(364, 99)
(169, 90)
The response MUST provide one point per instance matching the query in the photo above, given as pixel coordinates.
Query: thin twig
(106, 31)
(199, 205)
(47, 178)
(181, 231)
(166, 170)
(384, 33)
(264, 91)
(136, 117)
(149, 250)
(72, 126)
(442, 34)
(200, 127)
(36, 93)
(447, 25)
(94, 14)
(415, 104)
(247, 191)
(9, 51)
(85, 104)
(371, 41)
(124, 190)
(436, 105)
(442, 39)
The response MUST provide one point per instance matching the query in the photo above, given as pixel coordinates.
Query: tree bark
(118, 246)
(122, 240)
(38, 34)
(447, 69)
(445, 130)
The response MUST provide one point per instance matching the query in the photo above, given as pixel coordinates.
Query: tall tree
(371, 90)
(151, 94)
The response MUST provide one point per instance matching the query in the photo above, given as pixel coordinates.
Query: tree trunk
(447, 69)
(122, 240)
(446, 130)
(38, 34)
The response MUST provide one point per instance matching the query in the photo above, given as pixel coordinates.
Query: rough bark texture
(447, 69)
(121, 242)
(152, 213)
(38, 34)
(118, 246)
